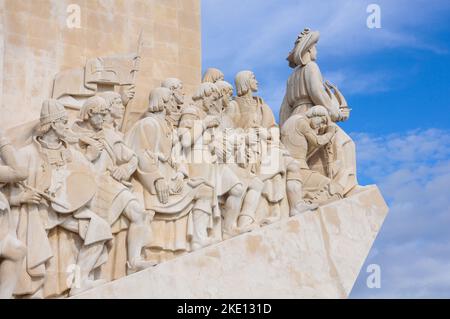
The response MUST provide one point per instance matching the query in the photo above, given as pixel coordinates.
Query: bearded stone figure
(164, 184)
(237, 190)
(212, 75)
(53, 214)
(305, 89)
(174, 111)
(97, 190)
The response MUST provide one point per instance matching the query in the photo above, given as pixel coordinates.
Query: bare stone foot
(139, 264)
(302, 207)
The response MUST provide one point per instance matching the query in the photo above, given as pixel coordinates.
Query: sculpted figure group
(85, 202)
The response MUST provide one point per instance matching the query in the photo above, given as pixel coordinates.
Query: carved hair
(205, 89)
(158, 98)
(171, 83)
(93, 105)
(223, 85)
(242, 82)
(212, 75)
(317, 110)
(42, 129)
(109, 97)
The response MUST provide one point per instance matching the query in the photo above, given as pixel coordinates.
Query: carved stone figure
(173, 112)
(275, 166)
(115, 163)
(304, 135)
(198, 132)
(228, 108)
(305, 88)
(213, 75)
(163, 180)
(253, 111)
(239, 203)
(88, 204)
(116, 110)
(12, 251)
(53, 218)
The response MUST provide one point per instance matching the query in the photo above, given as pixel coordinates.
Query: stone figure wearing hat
(58, 228)
(305, 89)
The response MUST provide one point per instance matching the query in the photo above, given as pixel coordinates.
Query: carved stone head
(319, 118)
(208, 97)
(245, 82)
(113, 104)
(94, 111)
(176, 86)
(159, 100)
(53, 116)
(304, 49)
(226, 91)
(212, 75)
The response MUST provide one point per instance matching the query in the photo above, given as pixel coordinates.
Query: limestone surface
(313, 255)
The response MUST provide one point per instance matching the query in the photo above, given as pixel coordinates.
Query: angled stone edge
(313, 255)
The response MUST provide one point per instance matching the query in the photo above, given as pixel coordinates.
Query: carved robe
(254, 113)
(112, 196)
(303, 142)
(9, 173)
(53, 239)
(204, 163)
(305, 89)
(270, 162)
(155, 143)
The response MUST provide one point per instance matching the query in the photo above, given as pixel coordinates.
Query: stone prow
(313, 255)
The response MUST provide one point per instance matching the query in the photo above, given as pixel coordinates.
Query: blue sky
(397, 81)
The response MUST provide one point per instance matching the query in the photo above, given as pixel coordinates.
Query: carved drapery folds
(84, 203)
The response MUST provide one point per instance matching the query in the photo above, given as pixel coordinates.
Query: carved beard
(66, 134)
(179, 99)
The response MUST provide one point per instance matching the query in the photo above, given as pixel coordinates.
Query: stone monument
(123, 169)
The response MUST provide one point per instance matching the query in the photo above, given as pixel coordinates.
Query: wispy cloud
(254, 32)
(257, 35)
(413, 249)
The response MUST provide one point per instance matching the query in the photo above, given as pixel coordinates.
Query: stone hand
(162, 190)
(211, 121)
(120, 173)
(178, 186)
(127, 93)
(28, 196)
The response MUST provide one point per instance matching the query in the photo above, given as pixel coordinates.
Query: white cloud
(254, 32)
(257, 35)
(413, 247)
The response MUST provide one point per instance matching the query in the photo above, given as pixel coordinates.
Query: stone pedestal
(314, 255)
